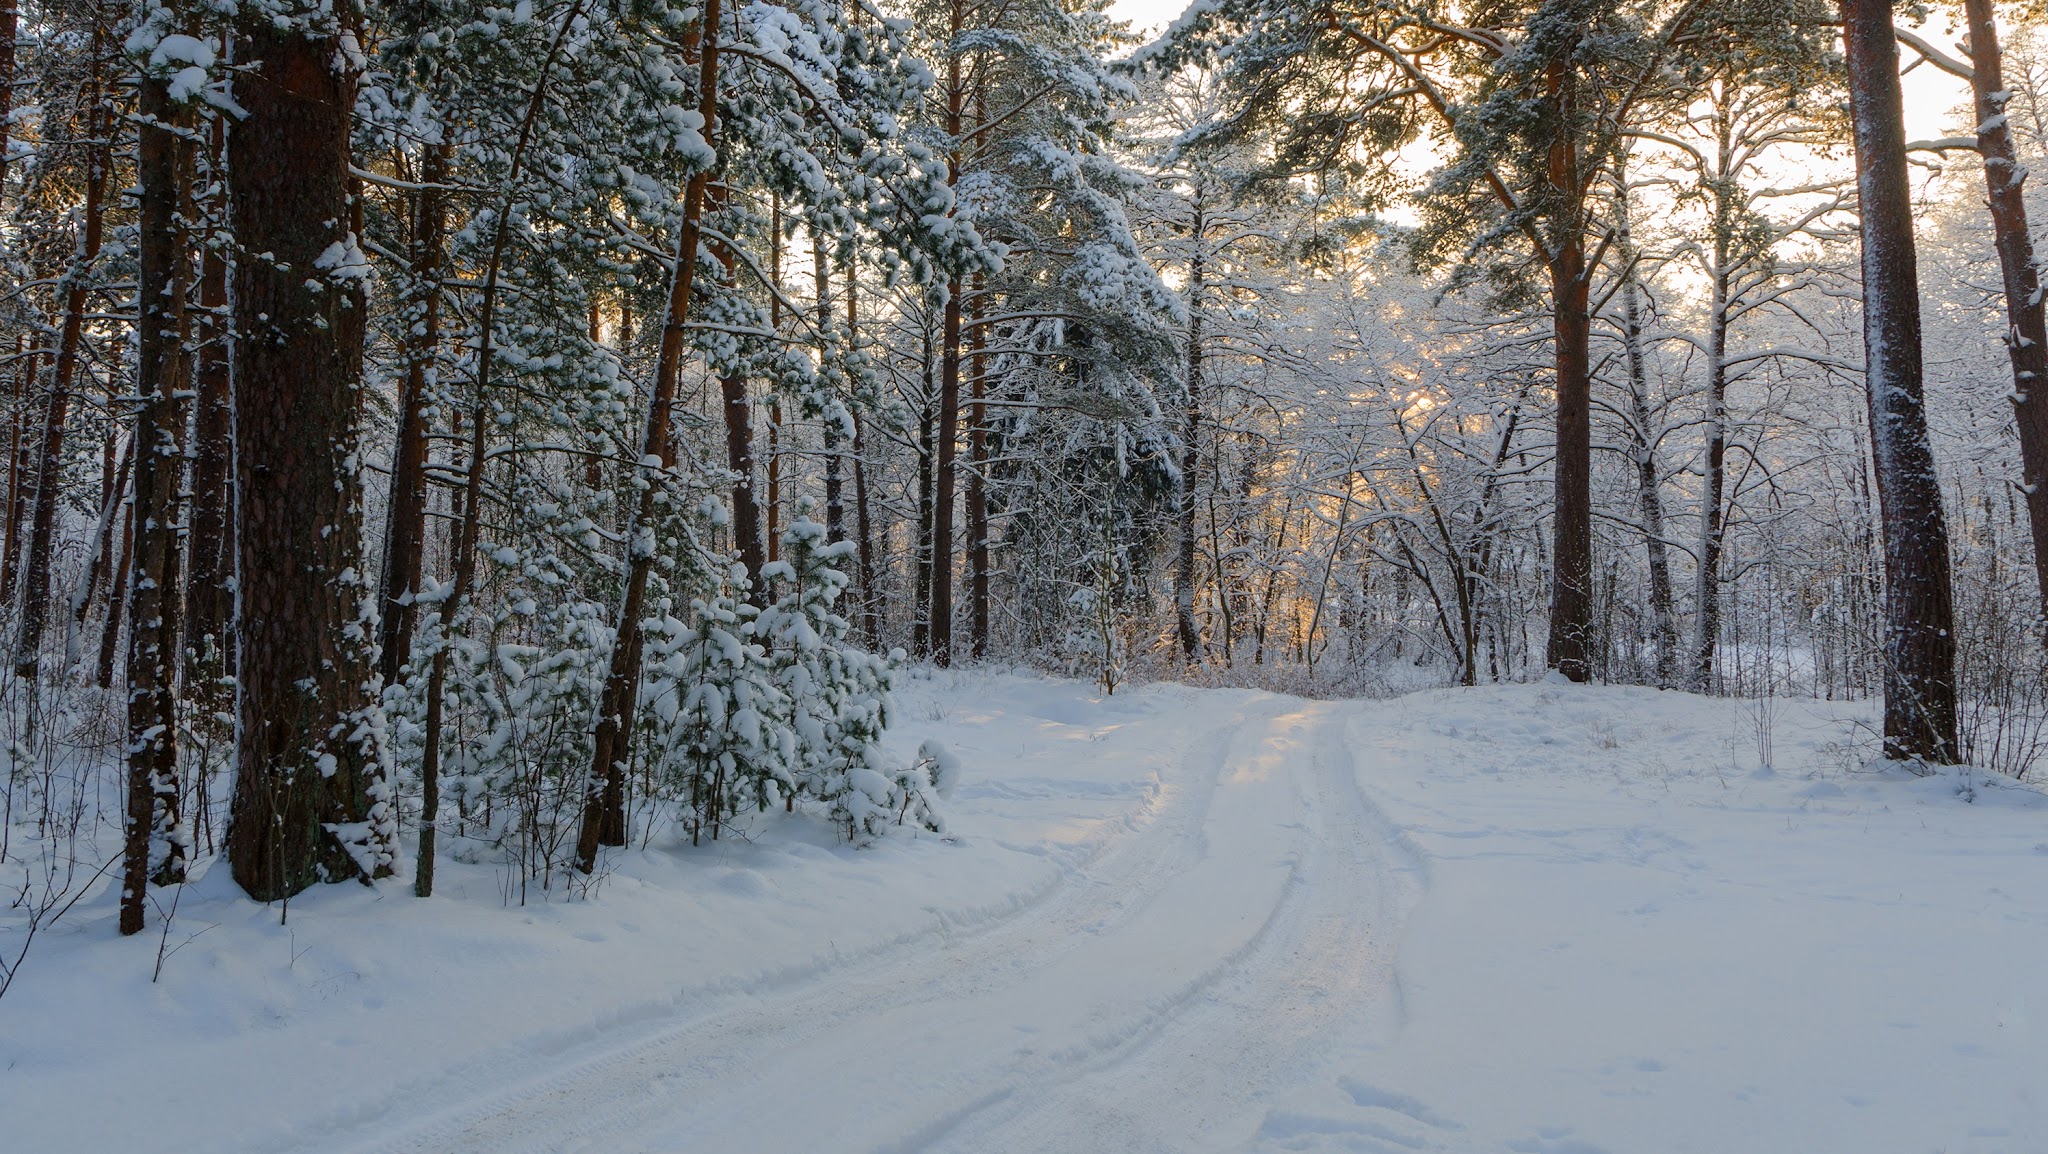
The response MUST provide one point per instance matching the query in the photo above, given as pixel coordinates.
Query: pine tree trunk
(309, 804)
(1649, 490)
(1919, 640)
(469, 527)
(738, 407)
(1190, 448)
(835, 469)
(1707, 598)
(604, 789)
(121, 513)
(977, 474)
(945, 460)
(162, 286)
(870, 602)
(1571, 595)
(948, 433)
(405, 518)
(210, 545)
(772, 546)
(2026, 339)
(26, 381)
(1571, 598)
(927, 434)
(10, 28)
(34, 594)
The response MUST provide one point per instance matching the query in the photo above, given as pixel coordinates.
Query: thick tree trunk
(2026, 338)
(152, 668)
(309, 802)
(210, 543)
(405, 520)
(34, 594)
(1571, 597)
(603, 820)
(1571, 643)
(1919, 640)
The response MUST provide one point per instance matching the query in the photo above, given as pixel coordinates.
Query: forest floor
(1537, 918)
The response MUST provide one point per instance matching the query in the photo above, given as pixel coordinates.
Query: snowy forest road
(1198, 964)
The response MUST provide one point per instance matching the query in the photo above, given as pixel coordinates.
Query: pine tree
(312, 800)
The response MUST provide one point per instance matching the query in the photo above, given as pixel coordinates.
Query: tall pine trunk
(831, 427)
(309, 803)
(977, 473)
(927, 434)
(1190, 447)
(603, 819)
(405, 518)
(870, 597)
(947, 435)
(1713, 479)
(1649, 488)
(470, 525)
(152, 668)
(2026, 338)
(26, 381)
(210, 542)
(1571, 644)
(33, 597)
(1919, 651)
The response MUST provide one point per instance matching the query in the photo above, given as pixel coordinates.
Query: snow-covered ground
(1525, 919)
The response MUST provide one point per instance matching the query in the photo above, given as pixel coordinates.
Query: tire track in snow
(1264, 1020)
(614, 1085)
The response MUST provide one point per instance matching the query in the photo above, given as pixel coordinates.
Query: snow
(1528, 918)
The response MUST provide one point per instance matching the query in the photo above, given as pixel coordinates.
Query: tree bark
(1649, 489)
(1571, 642)
(948, 433)
(1571, 598)
(162, 285)
(870, 603)
(830, 429)
(977, 474)
(405, 519)
(24, 379)
(772, 546)
(604, 790)
(927, 434)
(309, 802)
(19, 466)
(2026, 337)
(945, 462)
(1919, 638)
(1191, 445)
(210, 545)
(34, 593)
